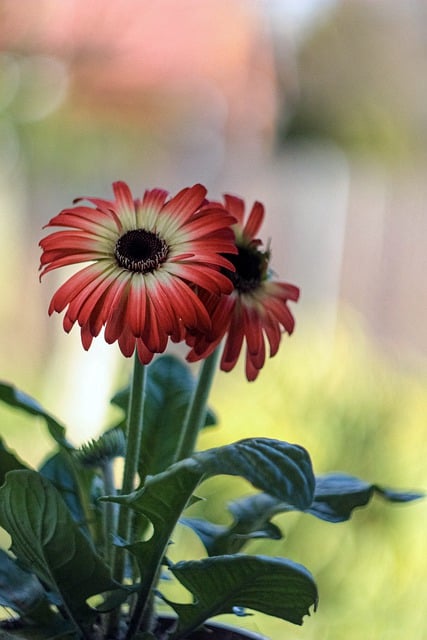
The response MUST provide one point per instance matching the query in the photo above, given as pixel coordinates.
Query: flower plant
(89, 551)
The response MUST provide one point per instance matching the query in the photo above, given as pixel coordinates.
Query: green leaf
(22, 592)
(161, 500)
(275, 586)
(253, 513)
(281, 469)
(338, 494)
(12, 396)
(79, 488)
(169, 387)
(59, 470)
(8, 461)
(37, 633)
(47, 540)
(251, 519)
(270, 465)
(215, 537)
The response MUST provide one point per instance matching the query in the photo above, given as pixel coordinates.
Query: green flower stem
(196, 412)
(110, 509)
(135, 416)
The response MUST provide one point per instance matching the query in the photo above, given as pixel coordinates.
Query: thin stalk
(196, 412)
(134, 426)
(83, 495)
(110, 509)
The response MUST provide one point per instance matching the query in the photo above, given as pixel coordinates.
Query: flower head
(256, 309)
(146, 256)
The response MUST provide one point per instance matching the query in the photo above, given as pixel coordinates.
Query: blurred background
(318, 109)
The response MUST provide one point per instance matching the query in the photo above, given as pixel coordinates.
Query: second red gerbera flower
(256, 309)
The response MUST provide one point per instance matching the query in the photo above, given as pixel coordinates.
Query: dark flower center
(249, 264)
(140, 250)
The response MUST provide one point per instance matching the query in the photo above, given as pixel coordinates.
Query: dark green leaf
(281, 469)
(251, 519)
(22, 592)
(161, 500)
(338, 494)
(8, 461)
(114, 599)
(215, 537)
(80, 488)
(46, 539)
(396, 495)
(58, 469)
(270, 465)
(62, 632)
(169, 387)
(12, 396)
(275, 586)
(38, 633)
(254, 511)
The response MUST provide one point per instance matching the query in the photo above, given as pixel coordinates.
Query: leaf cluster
(57, 576)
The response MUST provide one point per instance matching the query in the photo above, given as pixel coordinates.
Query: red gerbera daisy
(146, 256)
(257, 307)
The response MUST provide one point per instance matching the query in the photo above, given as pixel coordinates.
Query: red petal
(85, 218)
(186, 202)
(86, 337)
(72, 287)
(115, 322)
(209, 279)
(127, 343)
(252, 329)
(70, 242)
(125, 204)
(75, 258)
(288, 291)
(254, 221)
(123, 195)
(154, 199)
(92, 307)
(155, 337)
(137, 305)
(172, 324)
(280, 311)
(145, 355)
(273, 333)
(250, 370)
(188, 306)
(235, 206)
(234, 341)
